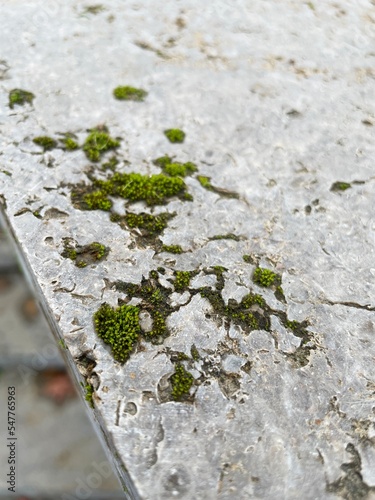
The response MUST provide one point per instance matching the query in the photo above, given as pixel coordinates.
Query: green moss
(340, 186)
(150, 224)
(37, 214)
(45, 142)
(204, 181)
(159, 327)
(248, 259)
(229, 236)
(20, 97)
(99, 142)
(97, 200)
(89, 394)
(70, 144)
(251, 299)
(62, 343)
(176, 249)
(181, 382)
(155, 300)
(118, 328)
(175, 169)
(127, 93)
(111, 164)
(97, 249)
(194, 353)
(69, 253)
(84, 255)
(153, 190)
(279, 294)
(182, 280)
(252, 313)
(264, 277)
(174, 135)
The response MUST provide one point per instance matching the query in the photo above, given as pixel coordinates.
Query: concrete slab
(261, 383)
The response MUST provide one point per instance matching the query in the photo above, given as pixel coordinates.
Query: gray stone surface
(276, 102)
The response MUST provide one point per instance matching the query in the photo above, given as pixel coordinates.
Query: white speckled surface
(276, 99)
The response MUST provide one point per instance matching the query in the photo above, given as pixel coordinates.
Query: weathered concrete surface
(276, 102)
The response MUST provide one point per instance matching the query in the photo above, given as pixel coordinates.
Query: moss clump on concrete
(175, 135)
(96, 200)
(89, 389)
(99, 142)
(182, 280)
(126, 93)
(45, 142)
(154, 300)
(194, 353)
(145, 227)
(20, 97)
(204, 181)
(70, 144)
(175, 169)
(340, 186)
(229, 236)
(176, 249)
(84, 255)
(153, 190)
(118, 328)
(265, 277)
(150, 224)
(251, 313)
(181, 382)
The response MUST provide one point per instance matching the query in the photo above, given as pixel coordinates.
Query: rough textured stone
(274, 98)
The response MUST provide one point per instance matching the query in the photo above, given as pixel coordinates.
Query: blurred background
(59, 456)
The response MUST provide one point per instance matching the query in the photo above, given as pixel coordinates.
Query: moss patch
(181, 382)
(69, 144)
(20, 97)
(118, 328)
(99, 142)
(45, 142)
(229, 236)
(126, 93)
(176, 249)
(182, 280)
(153, 190)
(147, 226)
(175, 169)
(84, 255)
(340, 186)
(265, 278)
(174, 135)
(89, 389)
